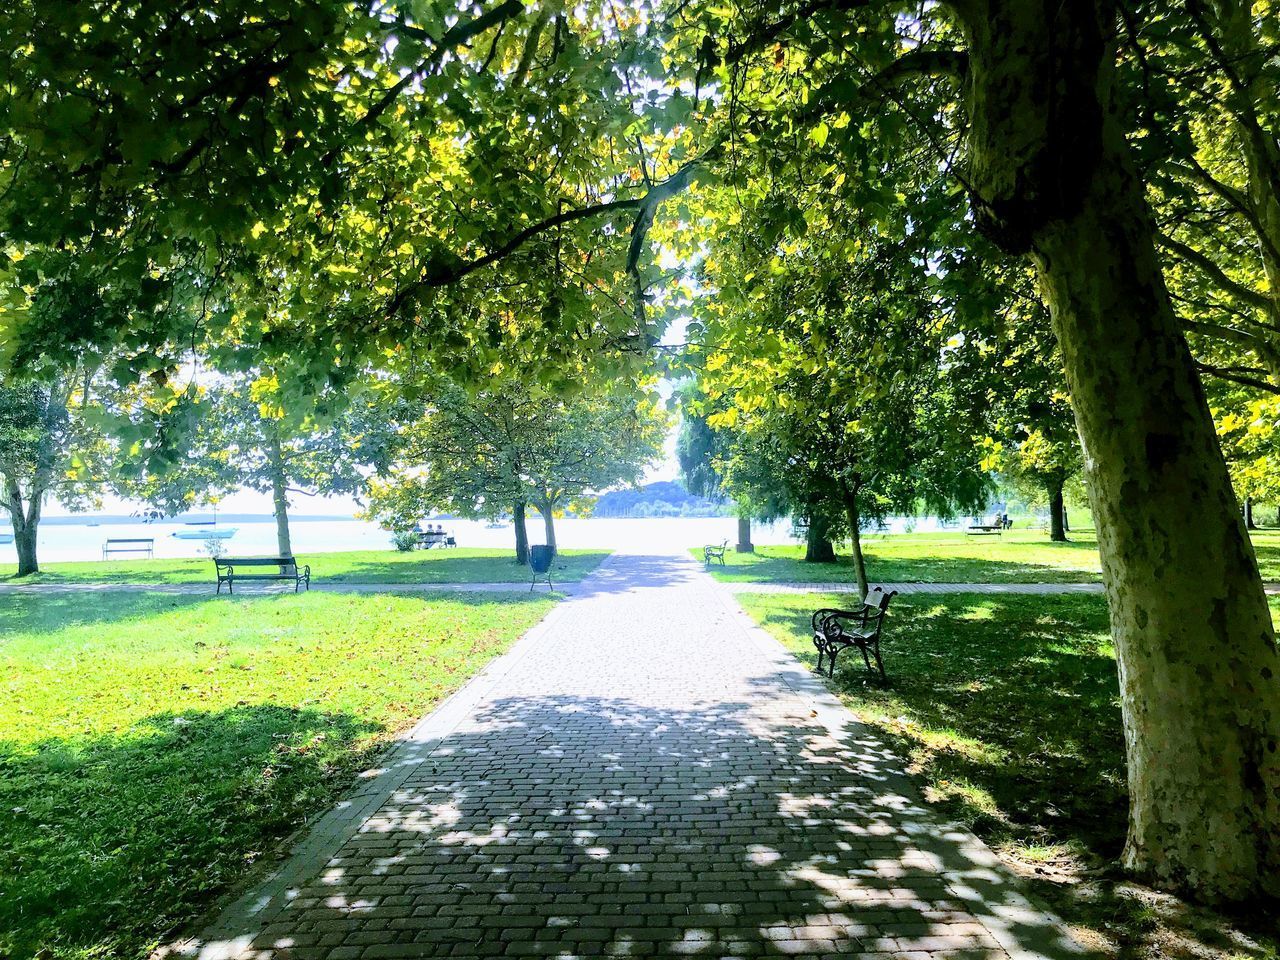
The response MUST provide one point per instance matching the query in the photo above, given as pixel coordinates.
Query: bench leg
(880, 662)
(865, 658)
(831, 668)
(821, 654)
(219, 590)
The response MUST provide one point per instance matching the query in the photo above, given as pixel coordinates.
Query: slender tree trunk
(1199, 670)
(280, 496)
(1057, 511)
(522, 532)
(549, 523)
(1248, 514)
(817, 542)
(855, 540)
(744, 544)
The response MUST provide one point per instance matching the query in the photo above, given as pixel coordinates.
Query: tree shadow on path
(564, 826)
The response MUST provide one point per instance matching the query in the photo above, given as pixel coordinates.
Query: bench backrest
(221, 562)
(877, 599)
(148, 540)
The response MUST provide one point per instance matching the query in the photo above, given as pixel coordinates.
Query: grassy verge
(1007, 710)
(152, 747)
(461, 565)
(1018, 556)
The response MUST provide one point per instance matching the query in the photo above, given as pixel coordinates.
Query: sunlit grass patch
(153, 747)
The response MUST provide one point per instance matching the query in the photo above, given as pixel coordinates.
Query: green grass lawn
(1019, 556)
(460, 565)
(153, 747)
(1007, 709)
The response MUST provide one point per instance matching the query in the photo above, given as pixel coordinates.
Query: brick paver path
(644, 775)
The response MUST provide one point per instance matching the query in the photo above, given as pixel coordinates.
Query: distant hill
(661, 499)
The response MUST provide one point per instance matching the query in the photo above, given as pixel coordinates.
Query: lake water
(83, 540)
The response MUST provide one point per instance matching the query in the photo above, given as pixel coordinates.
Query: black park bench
(129, 545)
(714, 552)
(836, 630)
(231, 570)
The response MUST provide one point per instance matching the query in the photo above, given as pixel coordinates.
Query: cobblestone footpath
(645, 774)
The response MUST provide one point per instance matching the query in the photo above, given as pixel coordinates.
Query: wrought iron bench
(835, 630)
(228, 570)
(714, 552)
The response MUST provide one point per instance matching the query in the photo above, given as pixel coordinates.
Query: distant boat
(210, 533)
(199, 523)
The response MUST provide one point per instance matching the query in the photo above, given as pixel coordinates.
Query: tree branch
(1227, 373)
(1215, 272)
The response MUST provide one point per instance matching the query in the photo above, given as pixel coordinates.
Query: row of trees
(501, 451)
(483, 454)
(336, 185)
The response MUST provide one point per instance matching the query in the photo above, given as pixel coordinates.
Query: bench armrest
(828, 613)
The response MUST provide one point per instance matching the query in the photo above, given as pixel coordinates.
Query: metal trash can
(540, 558)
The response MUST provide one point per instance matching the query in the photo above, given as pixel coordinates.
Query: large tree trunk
(1057, 511)
(855, 540)
(817, 541)
(24, 541)
(280, 497)
(1199, 671)
(25, 520)
(518, 511)
(744, 544)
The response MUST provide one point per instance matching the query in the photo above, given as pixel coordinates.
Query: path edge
(1057, 944)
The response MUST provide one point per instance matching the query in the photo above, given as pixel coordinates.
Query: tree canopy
(528, 194)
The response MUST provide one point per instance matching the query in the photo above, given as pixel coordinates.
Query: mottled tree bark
(1057, 511)
(744, 544)
(518, 511)
(817, 542)
(1050, 175)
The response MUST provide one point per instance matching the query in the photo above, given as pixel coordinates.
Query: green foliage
(154, 747)
(404, 540)
(482, 453)
(50, 447)
(247, 432)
